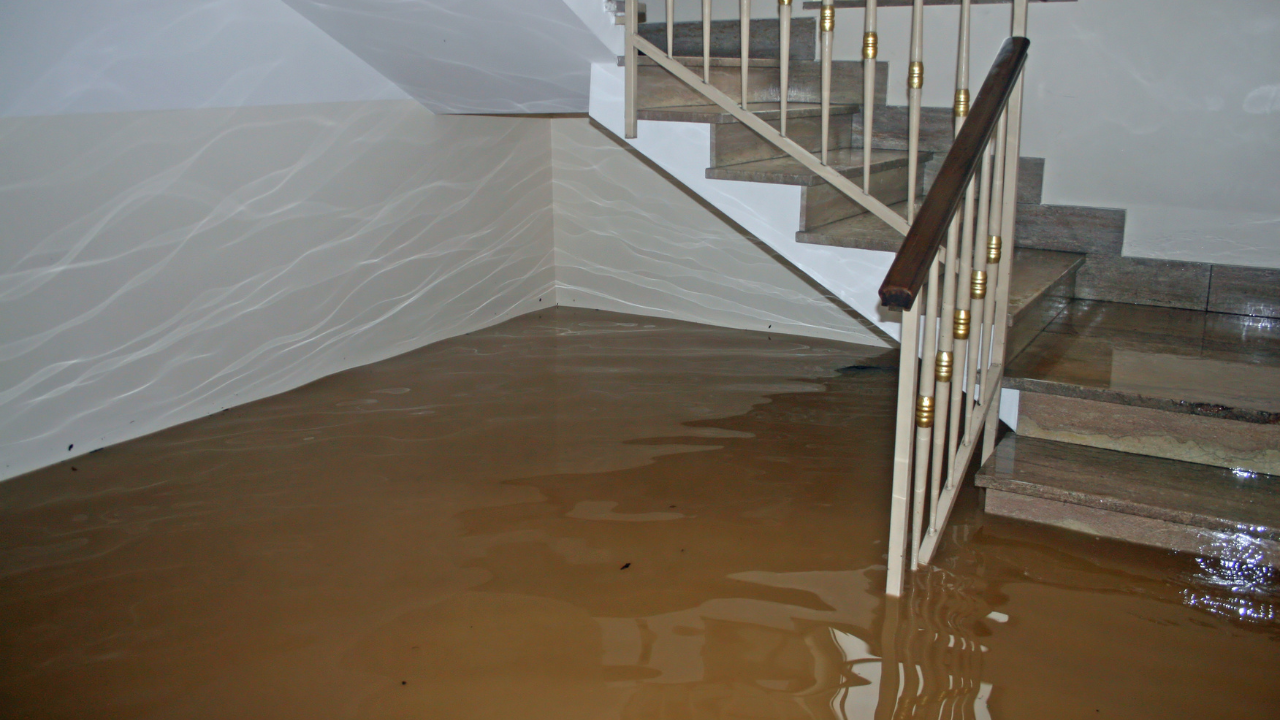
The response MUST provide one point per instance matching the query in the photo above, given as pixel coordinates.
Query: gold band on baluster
(784, 2)
(924, 411)
(915, 75)
(978, 287)
(828, 18)
(944, 366)
(962, 103)
(961, 331)
(870, 46)
(993, 249)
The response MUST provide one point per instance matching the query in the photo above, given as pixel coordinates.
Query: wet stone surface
(579, 514)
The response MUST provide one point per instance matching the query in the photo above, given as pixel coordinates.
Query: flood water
(580, 514)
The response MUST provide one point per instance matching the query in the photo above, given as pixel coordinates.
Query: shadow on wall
(632, 238)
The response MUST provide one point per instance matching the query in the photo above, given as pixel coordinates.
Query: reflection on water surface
(584, 515)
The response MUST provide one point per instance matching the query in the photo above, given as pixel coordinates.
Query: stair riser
(1155, 433)
(1037, 315)
(659, 88)
(823, 204)
(735, 143)
(726, 38)
(889, 127)
(1128, 528)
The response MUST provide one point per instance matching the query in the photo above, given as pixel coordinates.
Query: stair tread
(1035, 272)
(1201, 496)
(789, 171)
(1188, 361)
(714, 114)
(695, 62)
(861, 232)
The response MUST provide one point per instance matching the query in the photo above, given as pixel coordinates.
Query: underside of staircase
(1145, 393)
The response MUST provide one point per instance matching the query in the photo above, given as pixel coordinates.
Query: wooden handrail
(911, 266)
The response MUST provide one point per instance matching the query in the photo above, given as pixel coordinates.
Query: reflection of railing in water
(783, 661)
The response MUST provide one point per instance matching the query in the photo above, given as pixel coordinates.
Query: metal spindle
(978, 305)
(827, 31)
(908, 371)
(671, 28)
(969, 283)
(1007, 223)
(706, 41)
(953, 324)
(784, 59)
(745, 28)
(925, 409)
(915, 81)
(995, 249)
(632, 71)
(870, 49)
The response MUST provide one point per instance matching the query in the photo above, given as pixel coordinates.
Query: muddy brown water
(580, 514)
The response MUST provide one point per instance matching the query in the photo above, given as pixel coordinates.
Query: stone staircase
(1142, 412)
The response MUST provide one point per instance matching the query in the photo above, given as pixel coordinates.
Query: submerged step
(1150, 501)
(1042, 285)
(1180, 384)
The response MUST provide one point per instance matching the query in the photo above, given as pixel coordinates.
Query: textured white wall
(628, 239)
(160, 266)
(205, 202)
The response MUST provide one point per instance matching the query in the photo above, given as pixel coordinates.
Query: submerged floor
(580, 514)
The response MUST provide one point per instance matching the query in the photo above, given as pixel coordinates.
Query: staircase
(1140, 414)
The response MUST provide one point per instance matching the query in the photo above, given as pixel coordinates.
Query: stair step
(726, 37)
(863, 232)
(659, 88)
(1041, 286)
(820, 203)
(889, 128)
(789, 171)
(1163, 503)
(1180, 384)
(735, 143)
(716, 114)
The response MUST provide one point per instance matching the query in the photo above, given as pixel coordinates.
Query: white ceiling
(91, 56)
(470, 56)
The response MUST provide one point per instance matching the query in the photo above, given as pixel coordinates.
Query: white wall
(629, 239)
(1169, 109)
(205, 202)
(160, 266)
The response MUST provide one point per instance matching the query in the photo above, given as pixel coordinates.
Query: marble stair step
(821, 204)
(1180, 506)
(788, 171)
(735, 143)
(1042, 284)
(726, 37)
(714, 114)
(1180, 384)
(657, 87)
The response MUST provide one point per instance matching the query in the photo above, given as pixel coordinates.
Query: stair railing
(953, 313)
(637, 45)
(952, 362)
